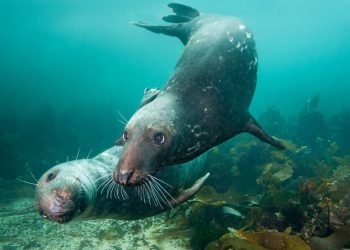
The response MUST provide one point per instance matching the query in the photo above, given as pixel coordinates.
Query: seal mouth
(62, 205)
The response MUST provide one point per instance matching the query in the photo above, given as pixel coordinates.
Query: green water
(69, 67)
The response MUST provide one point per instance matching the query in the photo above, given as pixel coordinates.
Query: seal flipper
(253, 127)
(170, 30)
(183, 10)
(149, 95)
(183, 14)
(176, 19)
(188, 193)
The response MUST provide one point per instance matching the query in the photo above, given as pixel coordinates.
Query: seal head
(149, 140)
(60, 194)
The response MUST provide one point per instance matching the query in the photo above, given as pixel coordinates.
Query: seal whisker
(148, 194)
(122, 122)
(157, 179)
(76, 158)
(22, 210)
(118, 190)
(123, 117)
(109, 190)
(31, 173)
(102, 177)
(162, 193)
(124, 193)
(142, 193)
(110, 185)
(153, 198)
(104, 182)
(114, 190)
(156, 194)
(160, 186)
(109, 181)
(27, 182)
(87, 157)
(138, 189)
(114, 186)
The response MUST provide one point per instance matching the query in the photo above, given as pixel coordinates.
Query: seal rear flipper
(188, 193)
(176, 19)
(170, 30)
(183, 10)
(255, 129)
(183, 14)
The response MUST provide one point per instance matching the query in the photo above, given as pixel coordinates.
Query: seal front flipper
(253, 127)
(188, 193)
(149, 95)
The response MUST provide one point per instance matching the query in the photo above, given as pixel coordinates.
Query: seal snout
(123, 177)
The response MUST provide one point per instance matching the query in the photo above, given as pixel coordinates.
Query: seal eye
(125, 136)
(51, 176)
(159, 138)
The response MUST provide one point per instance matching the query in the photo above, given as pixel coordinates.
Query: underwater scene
(175, 125)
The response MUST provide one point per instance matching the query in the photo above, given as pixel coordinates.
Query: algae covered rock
(240, 240)
(229, 241)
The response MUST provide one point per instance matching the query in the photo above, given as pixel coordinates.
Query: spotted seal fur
(205, 101)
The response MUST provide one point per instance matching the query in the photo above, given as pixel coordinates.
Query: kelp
(270, 240)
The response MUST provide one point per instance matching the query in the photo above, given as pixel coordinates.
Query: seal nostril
(124, 176)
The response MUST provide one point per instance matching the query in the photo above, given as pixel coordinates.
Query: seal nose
(124, 176)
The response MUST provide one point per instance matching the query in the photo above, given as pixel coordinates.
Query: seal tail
(254, 128)
(183, 14)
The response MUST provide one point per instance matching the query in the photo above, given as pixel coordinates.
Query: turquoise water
(63, 53)
(68, 68)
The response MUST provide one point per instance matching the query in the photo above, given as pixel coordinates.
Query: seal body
(205, 101)
(84, 189)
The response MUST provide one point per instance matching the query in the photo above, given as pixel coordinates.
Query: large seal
(205, 101)
(84, 189)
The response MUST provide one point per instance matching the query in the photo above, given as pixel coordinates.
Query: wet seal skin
(84, 189)
(205, 101)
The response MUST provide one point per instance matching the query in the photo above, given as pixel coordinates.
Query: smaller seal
(84, 189)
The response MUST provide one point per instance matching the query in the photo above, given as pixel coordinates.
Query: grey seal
(84, 189)
(205, 101)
